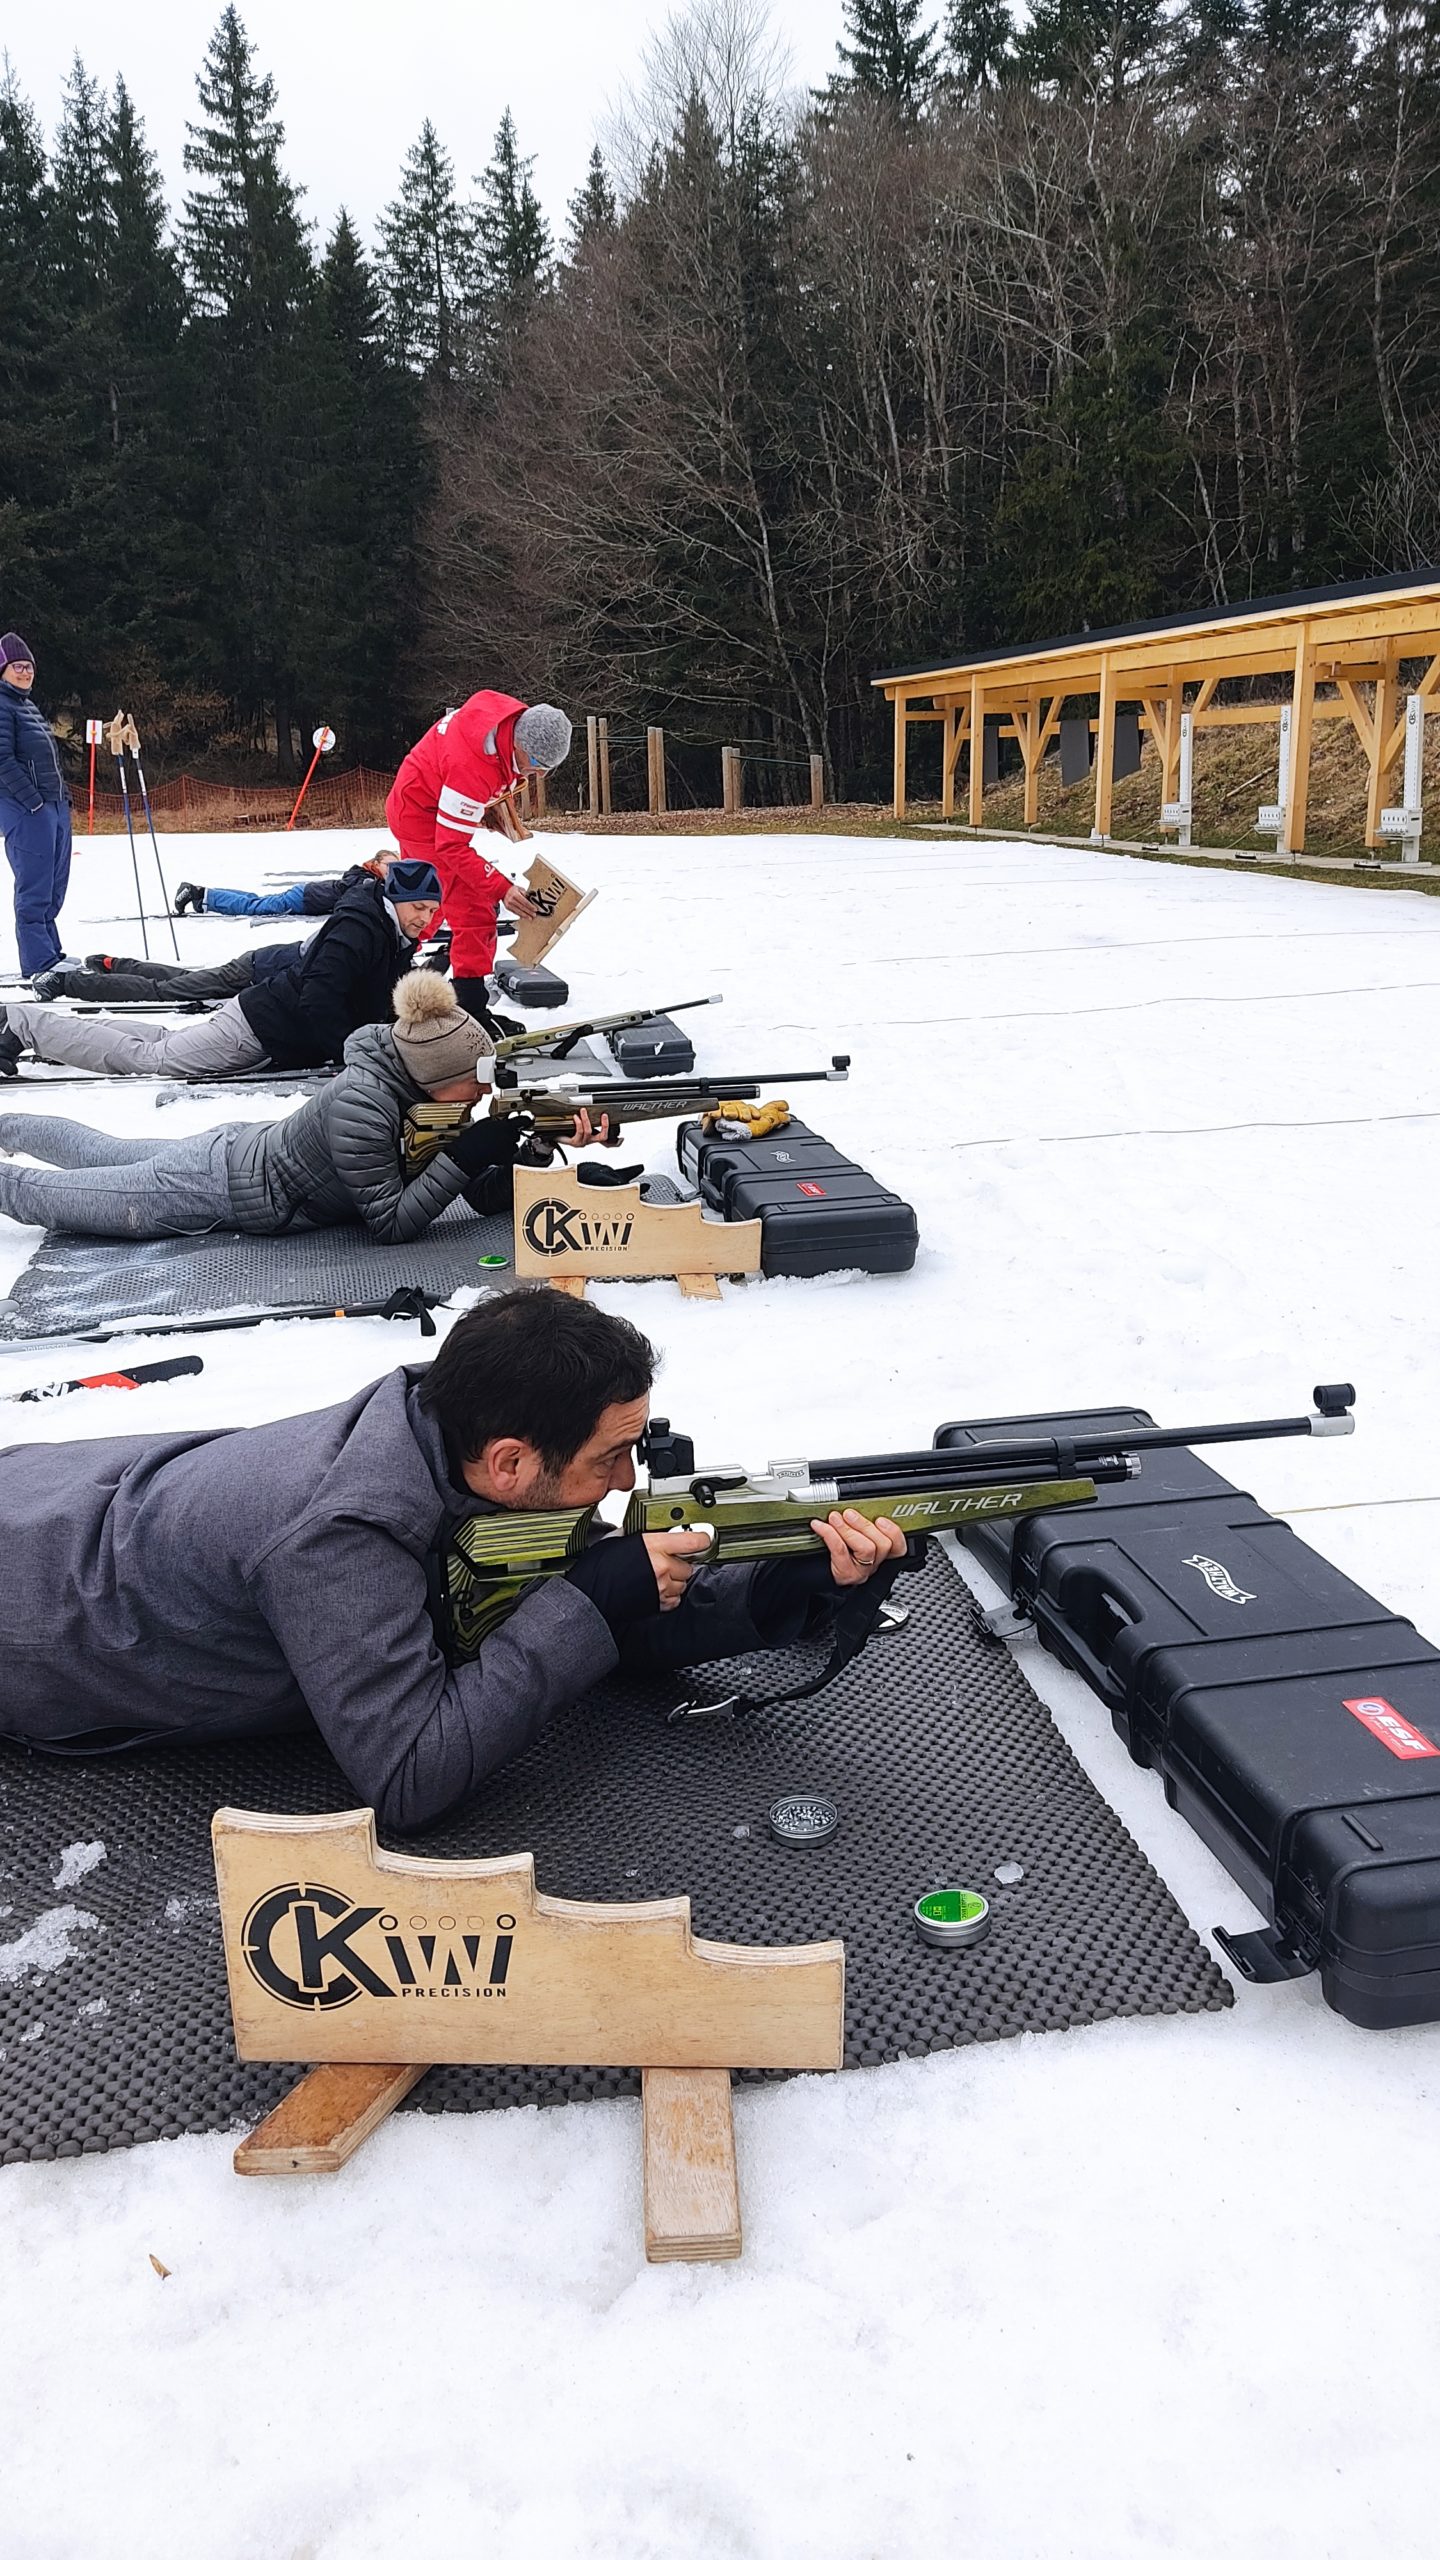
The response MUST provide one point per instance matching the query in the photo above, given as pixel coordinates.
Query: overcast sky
(357, 79)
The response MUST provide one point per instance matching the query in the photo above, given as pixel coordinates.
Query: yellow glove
(750, 1119)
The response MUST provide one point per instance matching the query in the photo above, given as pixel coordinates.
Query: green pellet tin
(952, 1917)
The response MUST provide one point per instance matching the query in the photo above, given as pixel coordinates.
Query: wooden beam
(1382, 723)
(947, 765)
(902, 741)
(977, 751)
(1302, 708)
(1105, 748)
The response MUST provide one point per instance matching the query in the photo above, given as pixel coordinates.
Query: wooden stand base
(692, 2187)
(326, 2116)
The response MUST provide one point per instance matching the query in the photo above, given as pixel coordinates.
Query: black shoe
(48, 985)
(189, 894)
(12, 1050)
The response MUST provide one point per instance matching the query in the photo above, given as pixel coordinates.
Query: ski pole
(132, 741)
(137, 1374)
(322, 741)
(115, 737)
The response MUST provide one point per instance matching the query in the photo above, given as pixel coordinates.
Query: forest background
(1027, 324)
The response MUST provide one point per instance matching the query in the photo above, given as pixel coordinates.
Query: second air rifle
(559, 1038)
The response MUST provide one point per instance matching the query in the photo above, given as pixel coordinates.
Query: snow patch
(46, 1945)
(78, 1861)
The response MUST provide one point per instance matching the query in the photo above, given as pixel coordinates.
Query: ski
(141, 1373)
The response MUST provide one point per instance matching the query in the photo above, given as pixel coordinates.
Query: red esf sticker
(1396, 1731)
(812, 1190)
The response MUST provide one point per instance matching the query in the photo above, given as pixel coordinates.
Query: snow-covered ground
(1168, 2286)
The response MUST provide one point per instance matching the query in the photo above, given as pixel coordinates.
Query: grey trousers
(223, 1044)
(152, 981)
(102, 1186)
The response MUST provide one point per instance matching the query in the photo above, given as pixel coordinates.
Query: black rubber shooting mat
(80, 1280)
(942, 1762)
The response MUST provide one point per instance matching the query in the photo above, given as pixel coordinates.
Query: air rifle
(562, 1037)
(546, 1110)
(756, 1517)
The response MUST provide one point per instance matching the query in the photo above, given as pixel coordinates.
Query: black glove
(483, 1143)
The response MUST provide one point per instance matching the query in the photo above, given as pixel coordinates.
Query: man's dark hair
(534, 1365)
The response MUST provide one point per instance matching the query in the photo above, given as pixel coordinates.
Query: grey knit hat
(436, 1040)
(544, 733)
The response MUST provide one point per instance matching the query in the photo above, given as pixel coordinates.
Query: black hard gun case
(655, 1048)
(1294, 1721)
(817, 1210)
(539, 989)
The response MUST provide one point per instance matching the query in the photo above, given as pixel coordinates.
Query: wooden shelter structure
(1341, 649)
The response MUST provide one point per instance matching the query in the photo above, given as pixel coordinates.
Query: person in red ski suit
(460, 780)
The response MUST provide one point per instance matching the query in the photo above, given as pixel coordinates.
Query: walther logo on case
(316, 1949)
(1389, 1726)
(1219, 1580)
(556, 1226)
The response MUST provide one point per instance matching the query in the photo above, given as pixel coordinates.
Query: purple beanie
(15, 652)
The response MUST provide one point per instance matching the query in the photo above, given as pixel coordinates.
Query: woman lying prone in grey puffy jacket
(339, 1159)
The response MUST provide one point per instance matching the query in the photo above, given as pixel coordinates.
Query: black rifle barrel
(1063, 1452)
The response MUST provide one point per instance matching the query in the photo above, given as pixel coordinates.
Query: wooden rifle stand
(568, 1233)
(559, 902)
(387, 1964)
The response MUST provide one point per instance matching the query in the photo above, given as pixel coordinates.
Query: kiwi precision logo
(315, 1949)
(556, 1227)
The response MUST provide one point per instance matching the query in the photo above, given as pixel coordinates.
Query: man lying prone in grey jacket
(214, 1585)
(340, 1157)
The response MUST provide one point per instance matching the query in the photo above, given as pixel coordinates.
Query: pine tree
(592, 209)
(80, 219)
(259, 382)
(34, 445)
(980, 42)
(425, 248)
(377, 480)
(1093, 44)
(892, 55)
(510, 254)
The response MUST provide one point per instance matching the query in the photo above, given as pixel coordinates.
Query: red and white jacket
(458, 768)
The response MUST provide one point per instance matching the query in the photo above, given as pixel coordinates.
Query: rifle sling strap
(855, 1622)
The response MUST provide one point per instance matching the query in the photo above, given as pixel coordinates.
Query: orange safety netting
(353, 799)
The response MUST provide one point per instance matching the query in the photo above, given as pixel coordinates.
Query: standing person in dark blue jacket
(34, 810)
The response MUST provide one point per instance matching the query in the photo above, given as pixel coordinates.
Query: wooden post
(592, 761)
(817, 782)
(538, 802)
(730, 779)
(602, 732)
(1105, 748)
(1386, 696)
(1174, 705)
(902, 741)
(1302, 713)
(655, 754)
(977, 752)
(947, 762)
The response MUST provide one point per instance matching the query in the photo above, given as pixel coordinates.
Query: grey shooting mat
(114, 2018)
(73, 1281)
